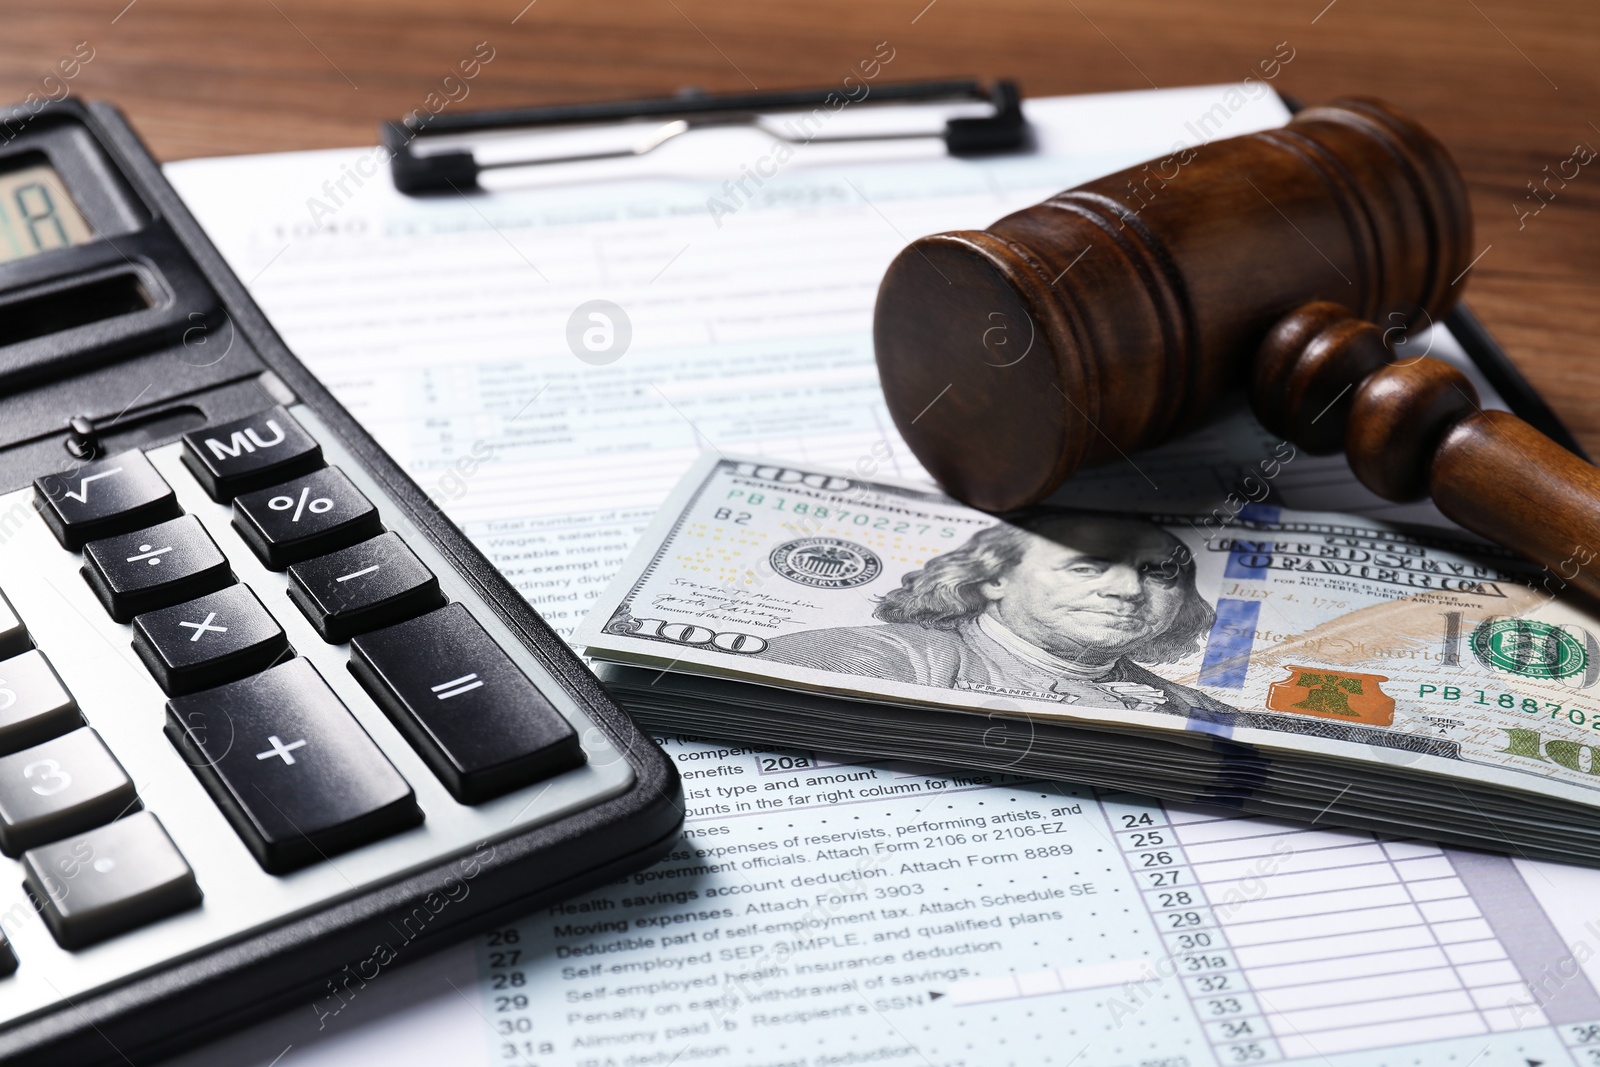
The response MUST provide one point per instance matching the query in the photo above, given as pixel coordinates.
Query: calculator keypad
(34, 705)
(109, 880)
(64, 786)
(309, 516)
(282, 757)
(154, 567)
(249, 453)
(109, 496)
(207, 641)
(291, 768)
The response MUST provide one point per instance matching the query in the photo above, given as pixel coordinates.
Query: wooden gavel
(1111, 316)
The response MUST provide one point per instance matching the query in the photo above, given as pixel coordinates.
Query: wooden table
(1509, 87)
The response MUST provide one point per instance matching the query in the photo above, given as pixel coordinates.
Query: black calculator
(264, 711)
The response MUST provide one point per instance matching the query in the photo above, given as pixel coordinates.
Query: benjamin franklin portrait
(1071, 607)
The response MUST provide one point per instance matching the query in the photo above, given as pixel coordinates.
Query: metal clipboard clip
(420, 168)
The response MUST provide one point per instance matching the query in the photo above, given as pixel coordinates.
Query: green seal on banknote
(1529, 648)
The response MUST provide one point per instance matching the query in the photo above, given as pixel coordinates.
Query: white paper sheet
(818, 913)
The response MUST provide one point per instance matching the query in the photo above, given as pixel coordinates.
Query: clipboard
(1003, 128)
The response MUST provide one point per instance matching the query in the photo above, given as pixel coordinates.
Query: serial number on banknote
(844, 516)
(1450, 694)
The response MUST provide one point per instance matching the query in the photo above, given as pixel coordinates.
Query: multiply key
(208, 641)
(290, 767)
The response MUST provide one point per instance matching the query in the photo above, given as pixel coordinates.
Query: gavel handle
(1502, 479)
(1413, 428)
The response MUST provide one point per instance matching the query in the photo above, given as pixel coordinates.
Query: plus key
(290, 767)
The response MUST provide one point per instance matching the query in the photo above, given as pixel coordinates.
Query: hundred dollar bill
(1273, 659)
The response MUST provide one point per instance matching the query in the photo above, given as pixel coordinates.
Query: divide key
(154, 568)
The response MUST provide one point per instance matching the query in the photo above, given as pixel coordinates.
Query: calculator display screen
(36, 214)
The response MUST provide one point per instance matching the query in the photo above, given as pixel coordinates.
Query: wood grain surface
(1510, 87)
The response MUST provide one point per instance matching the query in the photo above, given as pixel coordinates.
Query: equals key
(479, 722)
(454, 688)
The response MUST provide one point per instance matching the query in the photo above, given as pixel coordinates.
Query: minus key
(374, 584)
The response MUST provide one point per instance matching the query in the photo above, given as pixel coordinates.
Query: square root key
(109, 496)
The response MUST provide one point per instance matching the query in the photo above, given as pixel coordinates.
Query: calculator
(269, 724)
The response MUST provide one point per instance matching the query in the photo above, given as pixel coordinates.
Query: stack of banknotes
(1301, 665)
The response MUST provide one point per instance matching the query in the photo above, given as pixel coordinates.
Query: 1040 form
(814, 912)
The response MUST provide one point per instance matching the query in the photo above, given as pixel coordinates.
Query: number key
(34, 705)
(14, 639)
(62, 787)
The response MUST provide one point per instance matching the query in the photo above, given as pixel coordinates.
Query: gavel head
(1110, 317)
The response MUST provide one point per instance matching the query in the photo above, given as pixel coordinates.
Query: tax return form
(818, 912)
